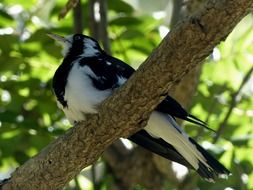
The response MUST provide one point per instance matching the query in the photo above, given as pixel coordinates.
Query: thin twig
(78, 18)
(93, 23)
(103, 26)
(96, 185)
(176, 14)
(77, 185)
(98, 22)
(69, 5)
(232, 105)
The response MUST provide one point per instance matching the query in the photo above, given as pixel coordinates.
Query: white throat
(67, 45)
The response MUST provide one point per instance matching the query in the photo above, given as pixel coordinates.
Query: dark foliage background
(30, 119)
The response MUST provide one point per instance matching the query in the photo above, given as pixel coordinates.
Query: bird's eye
(77, 37)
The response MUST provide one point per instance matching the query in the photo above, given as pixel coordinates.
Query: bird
(88, 75)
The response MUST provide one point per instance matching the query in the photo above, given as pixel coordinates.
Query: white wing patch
(108, 63)
(121, 80)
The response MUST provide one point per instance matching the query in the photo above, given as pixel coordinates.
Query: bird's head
(77, 45)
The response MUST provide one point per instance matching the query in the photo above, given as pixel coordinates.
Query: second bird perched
(88, 75)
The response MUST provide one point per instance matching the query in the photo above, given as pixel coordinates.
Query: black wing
(109, 68)
(121, 67)
(158, 146)
(172, 107)
(166, 150)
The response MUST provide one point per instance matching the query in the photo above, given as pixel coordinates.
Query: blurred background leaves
(30, 119)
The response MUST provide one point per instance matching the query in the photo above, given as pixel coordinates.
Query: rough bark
(185, 89)
(127, 111)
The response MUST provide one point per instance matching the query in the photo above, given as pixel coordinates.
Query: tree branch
(78, 18)
(103, 26)
(182, 49)
(177, 12)
(93, 23)
(189, 82)
(69, 5)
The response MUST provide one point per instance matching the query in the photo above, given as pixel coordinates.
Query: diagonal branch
(127, 111)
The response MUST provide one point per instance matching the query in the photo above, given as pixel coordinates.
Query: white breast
(81, 96)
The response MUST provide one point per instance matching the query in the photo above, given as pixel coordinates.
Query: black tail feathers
(209, 170)
(215, 170)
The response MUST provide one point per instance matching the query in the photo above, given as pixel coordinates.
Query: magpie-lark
(88, 75)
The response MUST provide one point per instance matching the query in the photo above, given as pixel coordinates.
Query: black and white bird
(88, 75)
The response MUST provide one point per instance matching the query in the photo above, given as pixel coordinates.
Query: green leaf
(242, 140)
(125, 21)
(120, 6)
